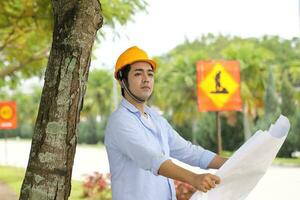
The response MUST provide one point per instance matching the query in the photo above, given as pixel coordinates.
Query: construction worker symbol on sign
(218, 85)
(219, 88)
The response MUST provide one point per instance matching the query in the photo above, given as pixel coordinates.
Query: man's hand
(205, 182)
(202, 182)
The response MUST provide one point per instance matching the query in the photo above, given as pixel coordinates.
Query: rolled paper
(243, 170)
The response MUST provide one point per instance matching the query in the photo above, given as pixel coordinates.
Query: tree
(98, 99)
(287, 92)
(176, 94)
(27, 105)
(49, 170)
(23, 21)
(98, 105)
(178, 72)
(253, 58)
(177, 75)
(271, 100)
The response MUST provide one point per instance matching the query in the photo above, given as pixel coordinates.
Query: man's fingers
(206, 182)
(203, 189)
(216, 179)
(207, 186)
(212, 184)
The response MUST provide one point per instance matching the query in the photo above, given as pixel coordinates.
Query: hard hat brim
(150, 61)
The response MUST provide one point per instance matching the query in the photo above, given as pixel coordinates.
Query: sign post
(218, 89)
(219, 136)
(8, 120)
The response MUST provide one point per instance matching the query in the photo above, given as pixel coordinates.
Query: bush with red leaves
(97, 186)
(184, 191)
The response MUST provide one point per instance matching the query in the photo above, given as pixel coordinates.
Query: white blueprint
(248, 164)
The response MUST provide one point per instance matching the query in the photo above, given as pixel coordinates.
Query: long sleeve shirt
(136, 149)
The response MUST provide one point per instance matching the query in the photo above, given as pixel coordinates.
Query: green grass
(277, 161)
(287, 161)
(13, 177)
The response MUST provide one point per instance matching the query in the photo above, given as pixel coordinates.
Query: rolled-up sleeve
(186, 152)
(128, 137)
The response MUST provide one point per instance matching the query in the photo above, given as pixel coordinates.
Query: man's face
(141, 79)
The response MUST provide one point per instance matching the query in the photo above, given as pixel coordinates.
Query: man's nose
(145, 78)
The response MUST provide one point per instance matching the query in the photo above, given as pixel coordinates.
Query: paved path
(88, 159)
(277, 184)
(6, 193)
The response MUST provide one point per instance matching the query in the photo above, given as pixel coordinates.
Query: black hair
(123, 74)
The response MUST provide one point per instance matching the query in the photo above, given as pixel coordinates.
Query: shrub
(97, 186)
(184, 191)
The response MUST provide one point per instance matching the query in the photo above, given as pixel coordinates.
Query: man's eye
(137, 74)
(151, 74)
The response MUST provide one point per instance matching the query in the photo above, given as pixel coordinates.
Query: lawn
(277, 161)
(13, 177)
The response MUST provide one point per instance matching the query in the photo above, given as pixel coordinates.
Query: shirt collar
(132, 108)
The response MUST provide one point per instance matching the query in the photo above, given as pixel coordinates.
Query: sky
(168, 22)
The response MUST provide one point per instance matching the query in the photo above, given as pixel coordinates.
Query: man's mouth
(146, 87)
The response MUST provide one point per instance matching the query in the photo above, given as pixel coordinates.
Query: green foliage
(292, 142)
(27, 108)
(287, 96)
(98, 98)
(13, 176)
(206, 135)
(175, 92)
(120, 11)
(26, 31)
(90, 131)
(97, 107)
(271, 100)
(232, 134)
(21, 23)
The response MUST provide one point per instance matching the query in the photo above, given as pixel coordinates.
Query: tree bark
(49, 170)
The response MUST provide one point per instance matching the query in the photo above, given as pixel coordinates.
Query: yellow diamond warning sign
(218, 85)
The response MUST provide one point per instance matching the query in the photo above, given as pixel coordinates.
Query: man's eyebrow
(141, 70)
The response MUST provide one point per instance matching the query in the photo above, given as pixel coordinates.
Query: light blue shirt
(136, 151)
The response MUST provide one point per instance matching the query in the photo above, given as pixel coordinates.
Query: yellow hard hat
(131, 55)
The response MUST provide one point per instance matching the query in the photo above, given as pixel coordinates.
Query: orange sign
(218, 86)
(8, 115)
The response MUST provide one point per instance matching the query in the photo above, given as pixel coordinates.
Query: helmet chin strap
(139, 100)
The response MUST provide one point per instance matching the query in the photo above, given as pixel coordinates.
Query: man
(140, 142)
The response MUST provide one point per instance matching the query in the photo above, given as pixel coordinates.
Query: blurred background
(262, 35)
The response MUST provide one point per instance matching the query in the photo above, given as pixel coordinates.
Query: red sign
(218, 86)
(8, 115)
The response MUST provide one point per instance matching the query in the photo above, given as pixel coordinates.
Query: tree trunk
(49, 170)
